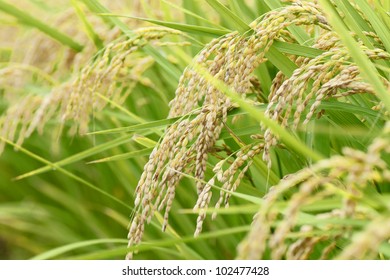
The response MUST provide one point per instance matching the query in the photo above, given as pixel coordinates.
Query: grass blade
(194, 15)
(79, 156)
(152, 245)
(140, 153)
(282, 62)
(60, 169)
(193, 29)
(74, 246)
(229, 16)
(87, 25)
(296, 49)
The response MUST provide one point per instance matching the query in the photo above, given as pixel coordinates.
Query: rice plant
(256, 130)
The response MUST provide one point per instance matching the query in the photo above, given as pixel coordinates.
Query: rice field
(194, 130)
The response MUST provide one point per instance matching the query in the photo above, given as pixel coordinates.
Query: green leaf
(229, 16)
(51, 254)
(193, 29)
(282, 62)
(137, 127)
(79, 156)
(296, 49)
(87, 25)
(60, 169)
(242, 9)
(192, 14)
(144, 141)
(152, 245)
(140, 153)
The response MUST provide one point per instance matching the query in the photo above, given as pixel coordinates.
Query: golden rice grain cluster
(119, 66)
